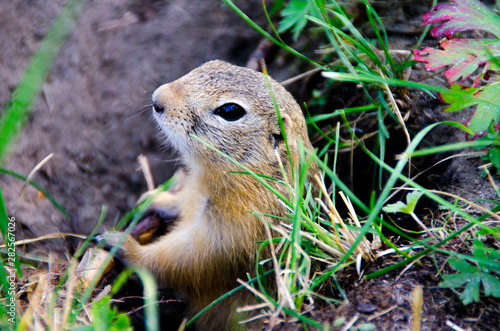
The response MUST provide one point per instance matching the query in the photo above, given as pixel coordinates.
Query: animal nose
(158, 108)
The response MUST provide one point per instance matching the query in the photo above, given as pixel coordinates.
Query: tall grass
(316, 242)
(19, 107)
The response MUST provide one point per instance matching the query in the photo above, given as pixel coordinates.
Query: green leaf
(400, 207)
(84, 328)
(104, 317)
(364, 327)
(122, 322)
(479, 249)
(482, 252)
(454, 281)
(491, 285)
(487, 230)
(458, 101)
(412, 199)
(473, 276)
(471, 291)
(486, 113)
(461, 265)
(339, 321)
(494, 156)
(294, 17)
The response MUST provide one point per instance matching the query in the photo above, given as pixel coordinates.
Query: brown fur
(214, 243)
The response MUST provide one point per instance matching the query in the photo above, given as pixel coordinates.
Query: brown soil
(93, 116)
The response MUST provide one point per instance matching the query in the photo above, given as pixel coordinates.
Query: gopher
(213, 243)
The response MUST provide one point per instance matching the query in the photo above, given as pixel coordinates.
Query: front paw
(154, 224)
(110, 239)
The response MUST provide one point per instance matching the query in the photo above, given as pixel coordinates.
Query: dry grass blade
(146, 170)
(266, 302)
(418, 301)
(453, 326)
(282, 288)
(301, 76)
(392, 250)
(35, 309)
(344, 237)
(51, 307)
(49, 236)
(366, 249)
(351, 322)
(475, 205)
(33, 172)
(395, 108)
(70, 289)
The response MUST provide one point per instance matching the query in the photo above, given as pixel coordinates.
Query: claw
(107, 240)
(95, 239)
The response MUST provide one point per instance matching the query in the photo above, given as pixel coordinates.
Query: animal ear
(277, 135)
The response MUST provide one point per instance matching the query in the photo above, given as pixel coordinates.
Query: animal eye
(230, 112)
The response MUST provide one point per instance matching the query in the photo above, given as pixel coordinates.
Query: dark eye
(230, 112)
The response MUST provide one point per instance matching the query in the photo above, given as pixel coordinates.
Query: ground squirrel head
(232, 109)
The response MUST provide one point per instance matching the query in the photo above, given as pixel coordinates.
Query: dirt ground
(93, 115)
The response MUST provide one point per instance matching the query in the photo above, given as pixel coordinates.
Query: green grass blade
(338, 112)
(226, 295)
(270, 21)
(382, 38)
(152, 321)
(374, 79)
(333, 36)
(138, 213)
(373, 214)
(39, 188)
(473, 221)
(8, 240)
(4, 279)
(4, 218)
(253, 174)
(429, 249)
(455, 146)
(24, 96)
(382, 136)
(268, 36)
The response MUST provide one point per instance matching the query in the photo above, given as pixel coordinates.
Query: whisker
(142, 110)
(174, 160)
